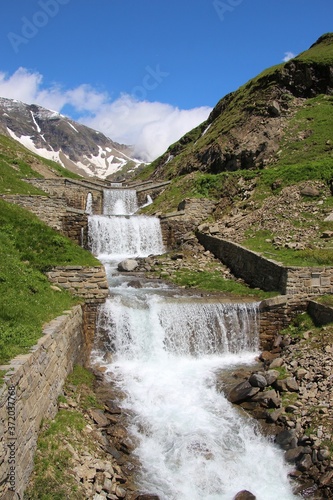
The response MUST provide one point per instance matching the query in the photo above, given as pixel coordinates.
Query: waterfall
(166, 348)
(150, 326)
(192, 443)
(89, 206)
(124, 236)
(119, 202)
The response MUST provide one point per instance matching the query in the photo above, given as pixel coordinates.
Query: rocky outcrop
(291, 398)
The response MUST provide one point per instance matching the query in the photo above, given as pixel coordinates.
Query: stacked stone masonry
(89, 283)
(49, 210)
(30, 392)
(268, 275)
(74, 192)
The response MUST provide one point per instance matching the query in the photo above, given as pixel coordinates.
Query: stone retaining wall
(268, 274)
(320, 313)
(250, 266)
(89, 283)
(32, 386)
(74, 192)
(49, 210)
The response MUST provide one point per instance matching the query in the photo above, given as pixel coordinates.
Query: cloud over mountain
(149, 126)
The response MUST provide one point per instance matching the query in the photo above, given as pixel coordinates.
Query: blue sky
(146, 71)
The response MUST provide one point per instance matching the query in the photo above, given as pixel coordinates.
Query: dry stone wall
(74, 192)
(304, 282)
(30, 392)
(49, 210)
(89, 283)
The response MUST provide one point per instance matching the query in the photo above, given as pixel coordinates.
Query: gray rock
(286, 439)
(270, 398)
(257, 380)
(271, 376)
(127, 265)
(310, 191)
(305, 463)
(291, 384)
(276, 363)
(242, 392)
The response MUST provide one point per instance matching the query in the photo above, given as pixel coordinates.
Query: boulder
(241, 392)
(310, 191)
(244, 495)
(271, 376)
(128, 265)
(286, 439)
(257, 380)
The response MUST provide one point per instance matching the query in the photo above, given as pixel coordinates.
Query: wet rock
(244, 495)
(294, 454)
(127, 265)
(241, 392)
(305, 463)
(257, 380)
(134, 284)
(286, 439)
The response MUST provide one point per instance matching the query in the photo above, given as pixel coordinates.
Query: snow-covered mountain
(54, 136)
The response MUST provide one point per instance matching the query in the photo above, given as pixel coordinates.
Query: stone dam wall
(30, 392)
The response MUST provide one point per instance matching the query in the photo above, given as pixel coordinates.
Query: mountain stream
(166, 349)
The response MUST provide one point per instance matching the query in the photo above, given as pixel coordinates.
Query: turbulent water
(120, 201)
(123, 236)
(166, 349)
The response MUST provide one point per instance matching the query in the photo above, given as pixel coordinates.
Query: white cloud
(149, 126)
(288, 56)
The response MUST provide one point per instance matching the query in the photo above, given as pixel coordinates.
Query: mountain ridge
(78, 148)
(246, 127)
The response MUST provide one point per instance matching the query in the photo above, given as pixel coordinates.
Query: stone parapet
(74, 192)
(32, 385)
(90, 283)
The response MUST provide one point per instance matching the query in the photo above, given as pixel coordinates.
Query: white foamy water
(192, 443)
(166, 349)
(122, 236)
(119, 202)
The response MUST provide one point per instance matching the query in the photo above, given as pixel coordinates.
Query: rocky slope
(80, 149)
(246, 128)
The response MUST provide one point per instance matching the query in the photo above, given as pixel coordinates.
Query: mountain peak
(52, 135)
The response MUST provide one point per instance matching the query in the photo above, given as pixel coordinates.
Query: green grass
(16, 164)
(319, 53)
(27, 246)
(81, 376)
(213, 281)
(37, 243)
(312, 257)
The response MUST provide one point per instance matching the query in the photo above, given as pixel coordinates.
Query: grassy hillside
(28, 247)
(18, 163)
(271, 129)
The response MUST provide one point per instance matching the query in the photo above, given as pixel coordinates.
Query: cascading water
(124, 236)
(166, 349)
(119, 202)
